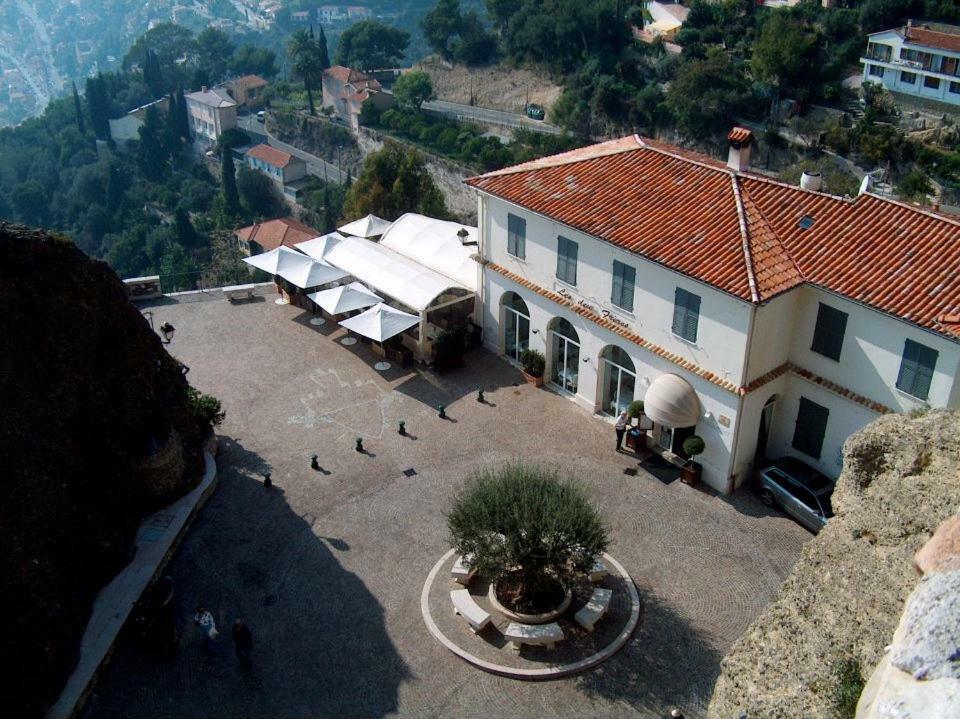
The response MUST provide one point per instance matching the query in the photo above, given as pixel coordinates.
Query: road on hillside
(316, 166)
(490, 117)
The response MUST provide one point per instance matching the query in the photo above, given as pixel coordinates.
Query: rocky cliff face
(901, 479)
(88, 397)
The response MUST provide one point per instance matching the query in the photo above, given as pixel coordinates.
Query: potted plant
(534, 363)
(636, 437)
(691, 470)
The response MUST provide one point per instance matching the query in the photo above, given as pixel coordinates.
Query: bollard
(314, 465)
(267, 482)
(480, 396)
(359, 446)
(402, 428)
(443, 412)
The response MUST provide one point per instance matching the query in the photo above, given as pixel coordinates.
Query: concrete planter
(543, 618)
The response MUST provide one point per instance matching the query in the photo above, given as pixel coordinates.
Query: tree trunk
(306, 84)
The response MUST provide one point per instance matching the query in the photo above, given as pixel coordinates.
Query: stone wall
(843, 601)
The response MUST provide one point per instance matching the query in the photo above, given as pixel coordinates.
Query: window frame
(518, 239)
(566, 260)
(927, 79)
(905, 74)
(913, 373)
(802, 435)
(617, 294)
(823, 341)
(682, 313)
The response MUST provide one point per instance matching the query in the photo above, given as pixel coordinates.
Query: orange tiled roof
(741, 232)
(248, 82)
(931, 38)
(271, 155)
(283, 231)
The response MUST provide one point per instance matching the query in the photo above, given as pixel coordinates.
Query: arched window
(618, 380)
(565, 355)
(515, 324)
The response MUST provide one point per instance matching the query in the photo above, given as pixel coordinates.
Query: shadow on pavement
(320, 645)
(666, 664)
(481, 370)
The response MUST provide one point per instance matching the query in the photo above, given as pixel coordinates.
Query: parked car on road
(535, 112)
(260, 115)
(801, 491)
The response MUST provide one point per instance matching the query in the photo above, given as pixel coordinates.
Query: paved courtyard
(327, 568)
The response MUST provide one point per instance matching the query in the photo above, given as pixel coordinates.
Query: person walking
(208, 628)
(242, 643)
(623, 419)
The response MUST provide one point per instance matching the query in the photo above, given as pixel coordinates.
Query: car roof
(804, 474)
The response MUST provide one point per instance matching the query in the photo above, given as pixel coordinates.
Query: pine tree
(186, 234)
(231, 198)
(98, 105)
(78, 110)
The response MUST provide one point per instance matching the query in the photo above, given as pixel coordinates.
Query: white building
(211, 112)
(792, 318)
(918, 60)
(666, 19)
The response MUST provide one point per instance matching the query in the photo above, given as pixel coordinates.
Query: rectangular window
(875, 71)
(828, 334)
(624, 279)
(516, 236)
(932, 82)
(955, 88)
(908, 78)
(811, 428)
(916, 369)
(566, 260)
(686, 315)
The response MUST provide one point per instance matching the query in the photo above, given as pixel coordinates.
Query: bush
(205, 408)
(635, 408)
(523, 520)
(848, 684)
(693, 445)
(533, 361)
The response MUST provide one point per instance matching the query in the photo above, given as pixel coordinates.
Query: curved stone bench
(463, 604)
(534, 634)
(598, 571)
(237, 292)
(462, 572)
(593, 611)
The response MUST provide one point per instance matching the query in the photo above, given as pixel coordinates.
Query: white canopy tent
(369, 226)
(380, 322)
(436, 244)
(389, 272)
(318, 247)
(345, 298)
(672, 401)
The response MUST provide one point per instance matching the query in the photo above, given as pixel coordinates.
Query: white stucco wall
(772, 335)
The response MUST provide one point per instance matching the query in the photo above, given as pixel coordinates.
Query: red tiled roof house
(282, 167)
(346, 90)
(791, 317)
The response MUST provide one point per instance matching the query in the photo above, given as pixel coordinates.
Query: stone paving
(327, 568)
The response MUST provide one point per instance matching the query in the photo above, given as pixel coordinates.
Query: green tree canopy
(706, 95)
(412, 89)
(214, 51)
(307, 62)
(441, 25)
(369, 45)
(786, 55)
(169, 41)
(393, 181)
(231, 198)
(252, 60)
(259, 194)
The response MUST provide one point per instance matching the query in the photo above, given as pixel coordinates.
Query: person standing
(623, 419)
(208, 628)
(242, 643)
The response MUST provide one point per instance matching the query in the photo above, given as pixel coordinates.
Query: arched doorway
(618, 380)
(564, 355)
(763, 432)
(515, 321)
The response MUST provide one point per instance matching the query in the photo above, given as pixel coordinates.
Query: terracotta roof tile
(271, 155)
(273, 233)
(742, 233)
(933, 38)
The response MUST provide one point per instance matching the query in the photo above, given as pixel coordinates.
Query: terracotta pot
(535, 381)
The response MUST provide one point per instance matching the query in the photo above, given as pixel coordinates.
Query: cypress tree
(183, 121)
(186, 234)
(231, 198)
(152, 76)
(171, 129)
(152, 157)
(324, 53)
(115, 189)
(78, 110)
(96, 104)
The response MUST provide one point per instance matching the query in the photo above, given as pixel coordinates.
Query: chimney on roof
(741, 140)
(811, 181)
(203, 88)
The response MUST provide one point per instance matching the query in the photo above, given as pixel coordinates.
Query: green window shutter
(829, 331)
(686, 314)
(566, 260)
(624, 280)
(916, 369)
(811, 428)
(516, 236)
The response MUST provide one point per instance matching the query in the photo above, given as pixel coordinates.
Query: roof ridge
(684, 158)
(751, 206)
(745, 239)
(932, 214)
(609, 147)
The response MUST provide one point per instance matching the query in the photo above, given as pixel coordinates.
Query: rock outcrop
(88, 396)
(843, 601)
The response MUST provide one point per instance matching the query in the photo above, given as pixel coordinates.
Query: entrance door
(566, 357)
(618, 381)
(763, 433)
(665, 438)
(516, 333)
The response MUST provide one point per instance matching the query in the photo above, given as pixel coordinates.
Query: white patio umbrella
(274, 260)
(380, 322)
(369, 226)
(318, 247)
(345, 298)
(310, 273)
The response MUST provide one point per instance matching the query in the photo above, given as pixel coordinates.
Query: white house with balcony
(921, 60)
(211, 112)
(766, 318)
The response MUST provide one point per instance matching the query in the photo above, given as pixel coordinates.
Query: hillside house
(666, 19)
(246, 90)
(346, 90)
(281, 167)
(128, 127)
(211, 112)
(768, 319)
(265, 236)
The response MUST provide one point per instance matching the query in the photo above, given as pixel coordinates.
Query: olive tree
(525, 521)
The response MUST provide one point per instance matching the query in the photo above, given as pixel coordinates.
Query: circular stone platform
(490, 651)
(317, 321)
(347, 341)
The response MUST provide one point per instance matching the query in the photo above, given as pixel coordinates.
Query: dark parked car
(535, 112)
(801, 491)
